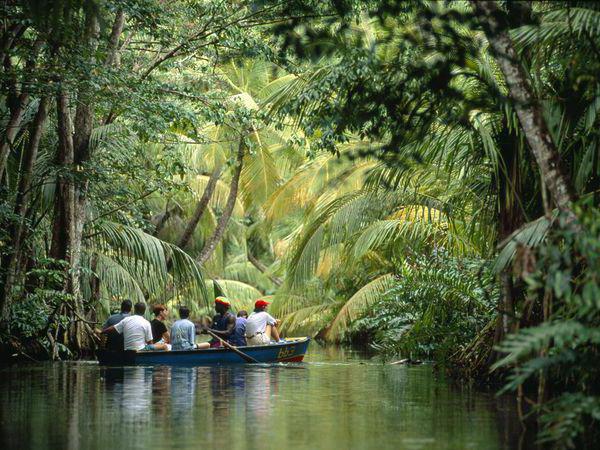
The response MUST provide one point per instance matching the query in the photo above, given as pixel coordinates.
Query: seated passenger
(183, 332)
(114, 341)
(223, 324)
(238, 337)
(136, 331)
(261, 326)
(160, 333)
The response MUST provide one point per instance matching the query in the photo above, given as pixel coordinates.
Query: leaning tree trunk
(112, 56)
(17, 230)
(12, 129)
(13, 32)
(160, 225)
(211, 244)
(262, 268)
(528, 109)
(18, 105)
(200, 208)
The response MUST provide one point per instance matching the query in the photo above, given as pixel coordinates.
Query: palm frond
(149, 256)
(358, 304)
(530, 235)
(241, 295)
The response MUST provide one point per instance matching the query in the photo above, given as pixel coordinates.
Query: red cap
(222, 301)
(261, 304)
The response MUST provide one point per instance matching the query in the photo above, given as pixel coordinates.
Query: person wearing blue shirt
(183, 332)
(238, 337)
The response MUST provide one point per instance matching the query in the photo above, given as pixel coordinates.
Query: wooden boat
(289, 350)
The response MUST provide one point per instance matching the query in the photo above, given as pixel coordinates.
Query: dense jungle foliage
(422, 176)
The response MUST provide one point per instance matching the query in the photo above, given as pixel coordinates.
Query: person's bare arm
(110, 329)
(228, 331)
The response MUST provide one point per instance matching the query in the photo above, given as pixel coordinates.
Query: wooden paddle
(246, 358)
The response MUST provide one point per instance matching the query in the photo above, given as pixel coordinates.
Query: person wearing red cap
(223, 324)
(261, 326)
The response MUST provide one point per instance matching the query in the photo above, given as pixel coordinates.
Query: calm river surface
(335, 400)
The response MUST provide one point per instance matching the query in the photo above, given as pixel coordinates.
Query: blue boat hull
(287, 351)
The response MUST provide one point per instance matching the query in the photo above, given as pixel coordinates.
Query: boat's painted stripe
(297, 358)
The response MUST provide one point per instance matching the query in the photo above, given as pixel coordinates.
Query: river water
(335, 400)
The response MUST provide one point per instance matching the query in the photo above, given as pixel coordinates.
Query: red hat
(222, 301)
(261, 303)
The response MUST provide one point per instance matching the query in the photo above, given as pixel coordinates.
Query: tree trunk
(528, 109)
(68, 219)
(63, 226)
(510, 218)
(112, 55)
(17, 108)
(9, 37)
(9, 82)
(74, 153)
(211, 244)
(65, 245)
(84, 115)
(12, 129)
(260, 266)
(17, 230)
(84, 123)
(163, 221)
(200, 207)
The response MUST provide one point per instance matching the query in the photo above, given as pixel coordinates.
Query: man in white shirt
(136, 331)
(261, 326)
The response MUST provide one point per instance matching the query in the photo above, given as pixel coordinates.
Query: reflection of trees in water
(222, 400)
(113, 376)
(450, 409)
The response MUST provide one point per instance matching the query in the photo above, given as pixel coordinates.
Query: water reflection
(321, 405)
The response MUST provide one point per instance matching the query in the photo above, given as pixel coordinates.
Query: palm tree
(236, 166)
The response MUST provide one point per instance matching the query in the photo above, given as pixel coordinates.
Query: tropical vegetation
(419, 176)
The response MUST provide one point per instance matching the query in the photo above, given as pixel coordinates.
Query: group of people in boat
(126, 331)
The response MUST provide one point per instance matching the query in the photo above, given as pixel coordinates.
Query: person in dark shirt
(159, 329)
(114, 341)
(223, 323)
